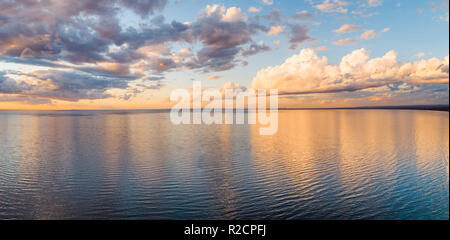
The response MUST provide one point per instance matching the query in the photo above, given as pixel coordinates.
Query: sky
(112, 54)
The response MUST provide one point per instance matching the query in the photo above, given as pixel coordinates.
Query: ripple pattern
(330, 164)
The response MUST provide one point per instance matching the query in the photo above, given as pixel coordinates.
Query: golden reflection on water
(431, 140)
(353, 136)
(321, 164)
(354, 152)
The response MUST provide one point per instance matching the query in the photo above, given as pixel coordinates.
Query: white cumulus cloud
(306, 72)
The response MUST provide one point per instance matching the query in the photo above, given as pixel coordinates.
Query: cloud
(161, 64)
(24, 99)
(420, 55)
(363, 13)
(64, 35)
(332, 6)
(214, 77)
(344, 41)
(321, 48)
(83, 42)
(220, 30)
(374, 3)
(275, 30)
(368, 34)
(303, 16)
(164, 33)
(254, 9)
(64, 85)
(232, 14)
(308, 73)
(155, 78)
(114, 67)
(443, 7)
(102, 69)
(299, 35)
(347, 28)
(156, 86)
(75, 31)
(223, 33)
(32, 61)
(267, 2)
(212, 59)
(144, 8)
(255, 49)
(182, 55)
(274, 16)
(385, 30)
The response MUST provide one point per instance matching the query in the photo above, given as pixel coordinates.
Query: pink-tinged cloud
(347, 28)
(343, 41)
(254, 9)
(275, 30)
(332, 6)
(368, 35)
(214, 77)
(420, 55)
(308, 73)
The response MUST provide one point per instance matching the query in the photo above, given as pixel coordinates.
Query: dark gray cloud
(274, 16)
(222, 40)
(31, 61)
(10, 86)
(160, 64)
(88, 7)
(255, 49)
(65, 85)
(220, 35)
(210, 59)
(89, 51)
(121, 71)
(155, 78)
(299, 35)
(41, 32)
(175, 31)
(76, 31)
(144, 7)
(83, 31)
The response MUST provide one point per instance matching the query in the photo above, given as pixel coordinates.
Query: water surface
(322, 164)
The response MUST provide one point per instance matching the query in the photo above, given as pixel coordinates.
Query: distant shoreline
(407, 107)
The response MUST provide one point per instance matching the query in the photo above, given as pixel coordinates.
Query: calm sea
(322, 164)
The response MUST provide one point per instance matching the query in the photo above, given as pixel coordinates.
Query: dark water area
(321, 164)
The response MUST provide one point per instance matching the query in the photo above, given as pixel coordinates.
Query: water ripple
(361, 164)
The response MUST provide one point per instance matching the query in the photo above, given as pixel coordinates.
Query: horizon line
(434, 107)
